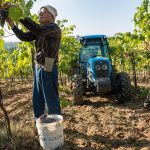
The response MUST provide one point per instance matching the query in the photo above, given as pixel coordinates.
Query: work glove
(49, 62)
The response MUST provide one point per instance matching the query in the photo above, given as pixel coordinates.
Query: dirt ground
(99, 124)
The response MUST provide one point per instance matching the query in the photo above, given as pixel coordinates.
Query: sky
(93, 16)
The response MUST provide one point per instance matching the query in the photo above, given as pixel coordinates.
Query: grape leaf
(15, 13)
(1, 43)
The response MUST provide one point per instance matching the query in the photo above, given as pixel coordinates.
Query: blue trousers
(45, 91)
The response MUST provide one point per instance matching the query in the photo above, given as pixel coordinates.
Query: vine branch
(9, 134)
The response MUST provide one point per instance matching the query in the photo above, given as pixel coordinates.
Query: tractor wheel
(123, 92)
(77, 90)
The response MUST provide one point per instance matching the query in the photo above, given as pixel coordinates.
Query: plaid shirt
(47, 38)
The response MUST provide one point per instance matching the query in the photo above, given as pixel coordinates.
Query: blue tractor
(96, 73)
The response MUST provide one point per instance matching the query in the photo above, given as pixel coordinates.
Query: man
(47, 36)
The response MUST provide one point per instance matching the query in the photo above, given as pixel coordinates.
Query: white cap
(51, 9)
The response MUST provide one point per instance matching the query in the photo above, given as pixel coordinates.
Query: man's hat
(51, 9)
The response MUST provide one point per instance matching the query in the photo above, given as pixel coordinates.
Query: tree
(142, 22)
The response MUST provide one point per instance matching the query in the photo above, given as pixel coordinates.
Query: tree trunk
(133, 63)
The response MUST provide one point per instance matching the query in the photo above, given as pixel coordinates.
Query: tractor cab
(93, 46)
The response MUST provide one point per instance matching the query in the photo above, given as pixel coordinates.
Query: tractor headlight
(104, 67)
(97, 67)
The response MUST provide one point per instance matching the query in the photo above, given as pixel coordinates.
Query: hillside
(11, 45)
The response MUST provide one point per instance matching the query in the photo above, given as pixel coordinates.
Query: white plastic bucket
(51, 134)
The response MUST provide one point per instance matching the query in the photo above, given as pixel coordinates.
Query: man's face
(45, 16)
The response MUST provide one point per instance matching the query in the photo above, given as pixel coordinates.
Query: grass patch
(142, 92)
(64, 102)
(65, 89)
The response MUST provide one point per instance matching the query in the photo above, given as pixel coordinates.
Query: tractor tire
(123, 92)
(77, 90)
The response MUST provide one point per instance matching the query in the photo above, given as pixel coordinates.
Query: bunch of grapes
(3, 16)
(45, 119)
(4, 11)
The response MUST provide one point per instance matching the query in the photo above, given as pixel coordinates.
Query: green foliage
(64, 102)
(65, 89)
(123, 45)
(1, 32)
(15, 13)
(15, 64)
(69, 49)
(142, 18)
(1, 43)
(20, 9)
(142, 23)
(142, 93)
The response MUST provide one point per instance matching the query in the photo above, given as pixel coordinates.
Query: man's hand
(6, 5)
(10, 22)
